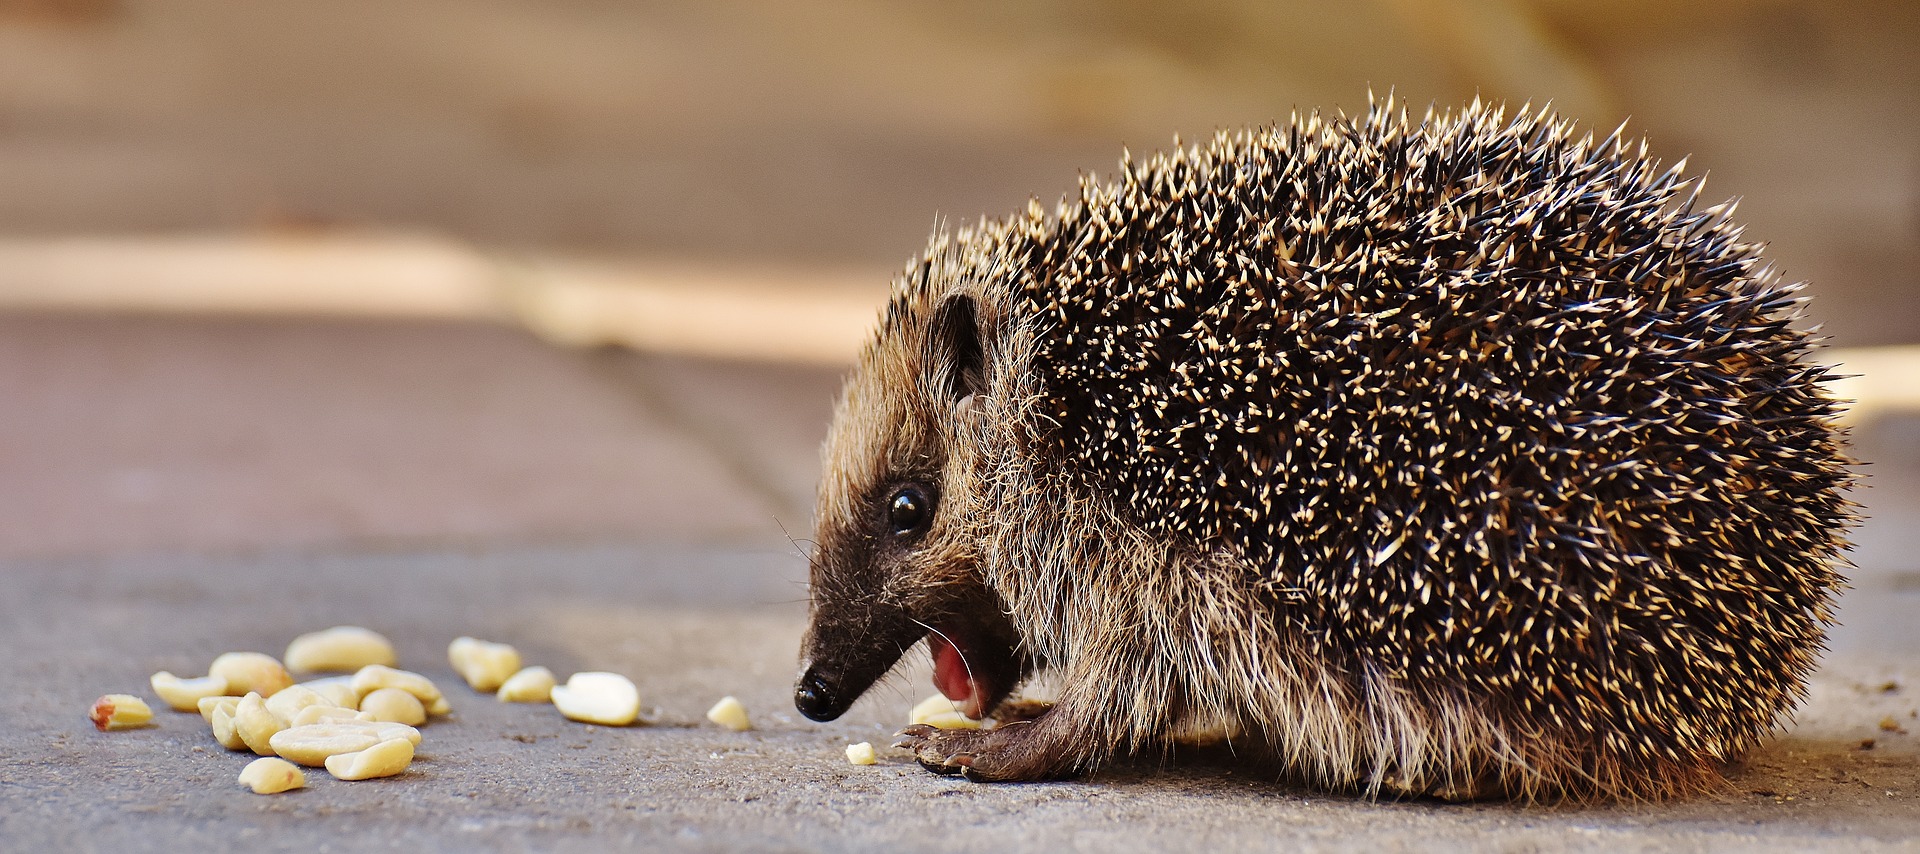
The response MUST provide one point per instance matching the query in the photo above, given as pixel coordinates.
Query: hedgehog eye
(909, 510)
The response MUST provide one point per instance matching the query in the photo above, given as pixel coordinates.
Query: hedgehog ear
(957, 356)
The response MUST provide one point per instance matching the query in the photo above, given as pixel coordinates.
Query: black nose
(815, 699)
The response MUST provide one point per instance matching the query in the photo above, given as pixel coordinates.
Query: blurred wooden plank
(381, 275)
(780, 313)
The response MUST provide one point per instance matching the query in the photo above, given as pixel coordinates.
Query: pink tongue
(950, 676)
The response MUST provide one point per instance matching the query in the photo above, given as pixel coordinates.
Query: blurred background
(832, 134)
(835, 132)
(341, 273)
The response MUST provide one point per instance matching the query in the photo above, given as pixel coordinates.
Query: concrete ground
(177, 488)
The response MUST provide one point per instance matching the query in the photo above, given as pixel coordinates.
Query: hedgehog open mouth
(953, 676)
(974, 669)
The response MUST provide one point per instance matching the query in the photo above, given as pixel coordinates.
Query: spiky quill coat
(1463, 457)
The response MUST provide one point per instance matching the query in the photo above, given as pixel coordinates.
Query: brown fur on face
(908, 418)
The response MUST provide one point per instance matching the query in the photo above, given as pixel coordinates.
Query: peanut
(321, 715)
(861, 754)
(184, 695)
(387, 729)
(271, 775)
(485, 665)
(255, 725)
(376, 676)
(287, 703)
(394, 706)
(939, 711)
(119, 711)
(311, 744)
(385, 759)
(208, 704)
(250, 672)
(950, 720)
(530, 685)
(598, 698)
(341, 648)
(730, 713)
(221, 717)
(338, 689)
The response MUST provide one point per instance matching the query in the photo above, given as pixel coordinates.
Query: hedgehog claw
(944, 770)
(913, 737)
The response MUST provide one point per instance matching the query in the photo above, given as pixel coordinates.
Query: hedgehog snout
(814, 697)
(850, 644)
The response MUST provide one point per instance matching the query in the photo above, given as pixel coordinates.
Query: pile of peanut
(357, 726)
(363, 723)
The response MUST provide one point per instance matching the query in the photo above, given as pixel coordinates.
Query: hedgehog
(1460, 459)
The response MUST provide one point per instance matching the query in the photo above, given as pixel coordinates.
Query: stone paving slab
(693, 624)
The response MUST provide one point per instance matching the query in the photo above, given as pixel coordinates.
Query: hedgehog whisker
(805, 553)
(962, 651)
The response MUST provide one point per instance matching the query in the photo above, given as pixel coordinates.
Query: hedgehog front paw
(938, 750)
(1006, 753)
